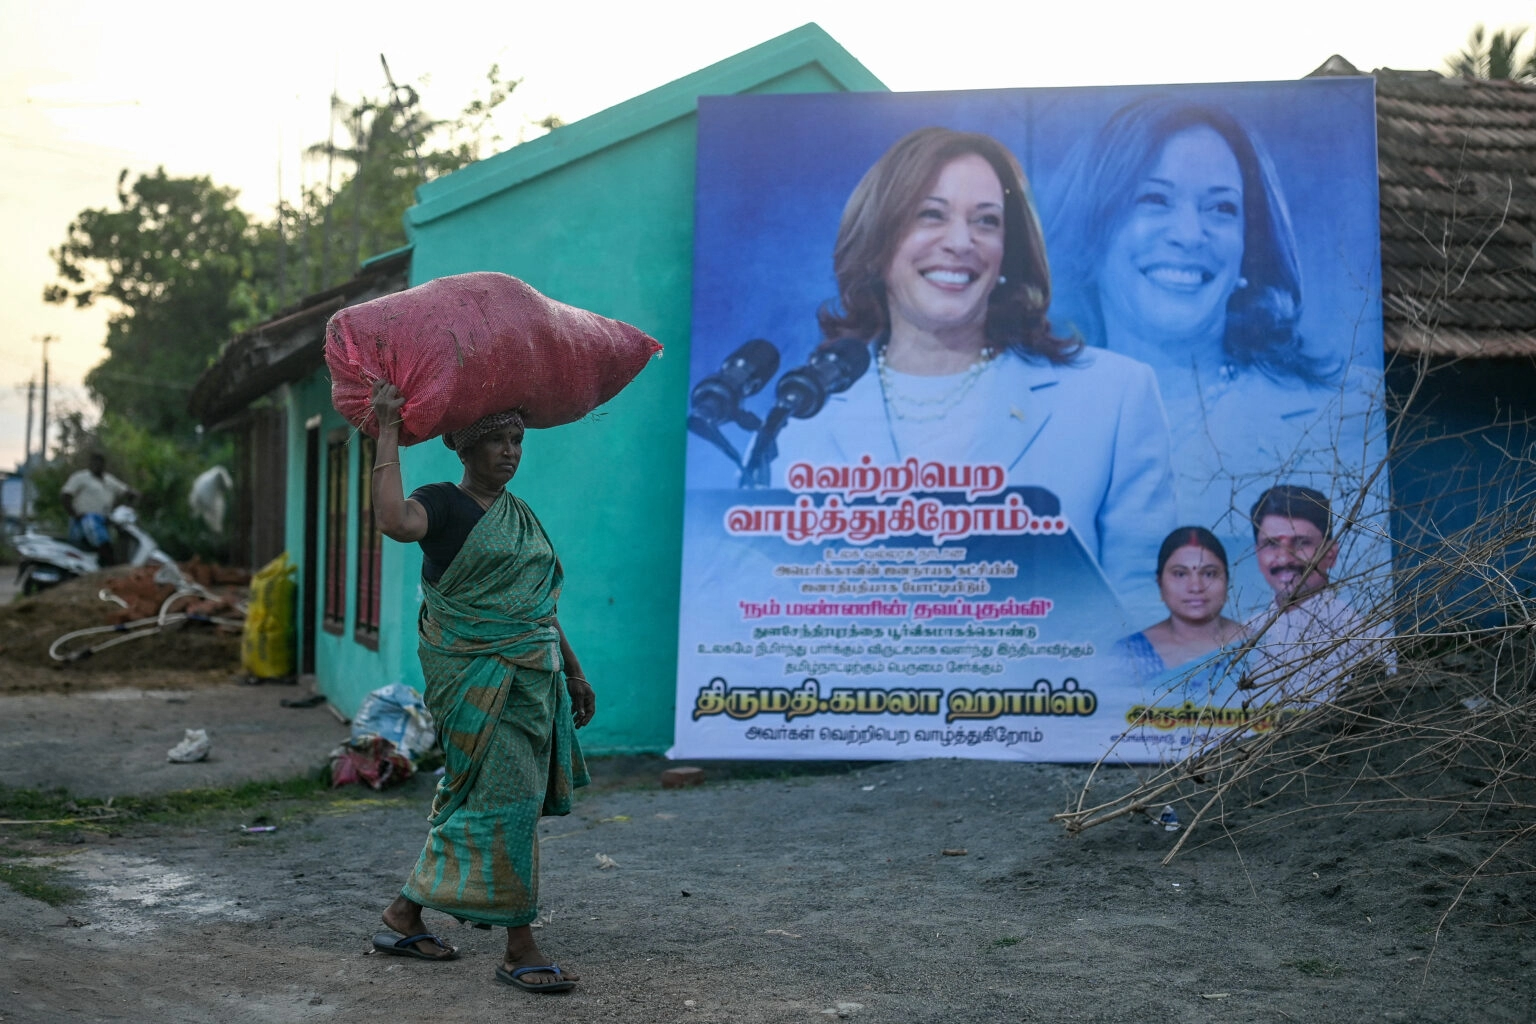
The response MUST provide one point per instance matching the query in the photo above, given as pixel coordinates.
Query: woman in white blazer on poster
(1176, 247)
(941, 269)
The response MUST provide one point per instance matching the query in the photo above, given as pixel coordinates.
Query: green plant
(38, 882)
(57, 809)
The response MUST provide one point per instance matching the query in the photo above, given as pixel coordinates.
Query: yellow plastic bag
(266, 648)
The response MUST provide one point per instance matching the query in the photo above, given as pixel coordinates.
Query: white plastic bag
(193, 747)
(396, 713)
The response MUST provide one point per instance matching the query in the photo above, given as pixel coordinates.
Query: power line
(134, 378)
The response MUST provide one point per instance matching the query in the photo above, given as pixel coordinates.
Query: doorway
(308, 590)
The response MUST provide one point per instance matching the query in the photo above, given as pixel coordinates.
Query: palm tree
(1494, 56)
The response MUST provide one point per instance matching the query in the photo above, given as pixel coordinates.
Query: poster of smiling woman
(986, 389)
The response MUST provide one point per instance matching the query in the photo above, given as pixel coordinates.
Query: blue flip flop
(515, 977)
(394, 945)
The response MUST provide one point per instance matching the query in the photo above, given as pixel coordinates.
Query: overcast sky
(235, 91)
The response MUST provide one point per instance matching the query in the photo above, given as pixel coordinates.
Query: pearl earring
(1242, 282)
(1002, 278)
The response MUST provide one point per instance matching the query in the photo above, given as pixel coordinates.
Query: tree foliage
(388, 147)
(1496, 56)
(169, 259)
(184, 268)
(338, 224)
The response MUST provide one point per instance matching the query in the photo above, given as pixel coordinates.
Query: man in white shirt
(1308, 642)
(89, 495)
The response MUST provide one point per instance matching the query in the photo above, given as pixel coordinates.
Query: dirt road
(767, 899)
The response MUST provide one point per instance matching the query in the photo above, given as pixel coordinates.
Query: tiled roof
(1457, 164)
(290, 346)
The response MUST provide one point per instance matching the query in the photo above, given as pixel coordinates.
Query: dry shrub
(1445, 743)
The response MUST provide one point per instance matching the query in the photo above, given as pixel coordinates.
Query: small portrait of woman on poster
(941, 269)
(1187, 654)
(1175, 247)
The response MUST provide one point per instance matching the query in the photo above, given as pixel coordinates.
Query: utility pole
(42, 442)
(26, 451)
(26, 456)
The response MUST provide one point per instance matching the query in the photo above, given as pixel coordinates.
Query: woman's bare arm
(398, 517)
(583, 699)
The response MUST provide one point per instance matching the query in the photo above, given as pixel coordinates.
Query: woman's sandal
(515, 977)
(394, 945)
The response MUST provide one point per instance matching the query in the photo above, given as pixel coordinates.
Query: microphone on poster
(802, 393)
(717, 398)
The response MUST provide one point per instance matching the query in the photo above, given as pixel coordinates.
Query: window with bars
(370, 550)
(333, 617)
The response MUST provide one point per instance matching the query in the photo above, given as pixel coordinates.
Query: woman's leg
(522, 951)
(404, 916)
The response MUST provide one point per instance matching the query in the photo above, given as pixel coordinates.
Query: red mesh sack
(370, 760)
(466, 346)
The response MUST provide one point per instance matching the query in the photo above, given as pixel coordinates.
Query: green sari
(495, 686)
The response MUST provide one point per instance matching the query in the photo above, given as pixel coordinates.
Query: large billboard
(1019, 417)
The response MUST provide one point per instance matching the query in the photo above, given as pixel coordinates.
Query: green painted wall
(598, 214)
(607, 489)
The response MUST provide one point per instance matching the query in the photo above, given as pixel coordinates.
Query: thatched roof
(1457, 163)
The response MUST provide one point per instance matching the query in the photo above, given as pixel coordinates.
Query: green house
(597, 214)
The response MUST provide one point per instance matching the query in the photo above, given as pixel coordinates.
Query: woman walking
(505, 690)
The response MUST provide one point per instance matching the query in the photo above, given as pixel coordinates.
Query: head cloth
(461, 440)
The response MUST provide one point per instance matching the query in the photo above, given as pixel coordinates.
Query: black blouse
(451, 514)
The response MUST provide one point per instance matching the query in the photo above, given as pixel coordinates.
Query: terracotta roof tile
(1457, 163)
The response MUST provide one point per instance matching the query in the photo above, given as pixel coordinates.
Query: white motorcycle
(47, 561)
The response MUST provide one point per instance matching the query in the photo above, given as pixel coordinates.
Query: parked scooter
(47, 561)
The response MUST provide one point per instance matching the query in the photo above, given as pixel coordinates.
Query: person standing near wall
(89, 495)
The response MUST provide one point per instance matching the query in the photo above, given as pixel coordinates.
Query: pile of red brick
(144, 597)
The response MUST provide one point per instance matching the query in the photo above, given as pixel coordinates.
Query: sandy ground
(779, 897)
(102, 742)
(173, 656)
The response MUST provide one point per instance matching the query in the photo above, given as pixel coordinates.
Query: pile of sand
(191, 651)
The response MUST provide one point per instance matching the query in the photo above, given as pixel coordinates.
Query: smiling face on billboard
(1193, 584)
(1294, 556)
(1177, 254)
(947, 263)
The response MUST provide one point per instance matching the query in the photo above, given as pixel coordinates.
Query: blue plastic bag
(396, 713)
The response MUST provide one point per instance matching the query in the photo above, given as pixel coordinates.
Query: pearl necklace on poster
(928, 408)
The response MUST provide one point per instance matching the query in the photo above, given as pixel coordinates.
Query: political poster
(1018, 417)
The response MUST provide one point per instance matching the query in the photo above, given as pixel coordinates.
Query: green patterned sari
(495, 686)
